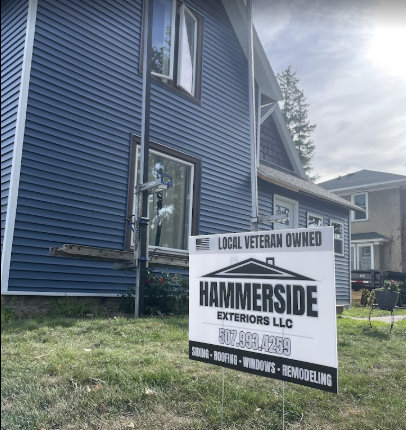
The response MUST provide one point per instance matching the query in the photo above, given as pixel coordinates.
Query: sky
(350, 57)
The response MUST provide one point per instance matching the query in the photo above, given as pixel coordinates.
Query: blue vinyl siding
(13, 29)
(328, 211)
(84, 103)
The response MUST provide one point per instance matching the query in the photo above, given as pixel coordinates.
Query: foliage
(127, 301)
(370, 303)
(295, 112)
(7, 314)
(389, 285)
(72, 307)
(166, 293)
(365, 294)
(163, 293)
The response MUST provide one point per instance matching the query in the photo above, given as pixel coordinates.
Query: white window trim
(295, 204)
(357, 247)
(366, 207)
(173, 38)
(316, 216)
(184, 9)
(334, 221)
(192, 175)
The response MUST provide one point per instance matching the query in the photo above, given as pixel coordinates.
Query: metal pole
(251, 96)
(143, 174)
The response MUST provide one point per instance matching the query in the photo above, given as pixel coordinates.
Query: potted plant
(388, 295)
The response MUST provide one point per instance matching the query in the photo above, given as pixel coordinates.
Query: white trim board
(18, 145)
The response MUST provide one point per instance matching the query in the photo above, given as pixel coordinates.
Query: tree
(295, 112)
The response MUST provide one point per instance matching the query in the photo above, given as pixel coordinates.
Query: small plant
(127, 302)
(71, 307)
(163, 294)
(365, 293)
(370, 300)
(7, 314)
(389, 285)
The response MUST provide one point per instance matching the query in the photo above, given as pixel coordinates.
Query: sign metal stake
(222, 402)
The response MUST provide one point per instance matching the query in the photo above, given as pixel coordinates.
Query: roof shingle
(363, 177)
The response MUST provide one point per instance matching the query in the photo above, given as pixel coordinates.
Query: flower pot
(386, 299)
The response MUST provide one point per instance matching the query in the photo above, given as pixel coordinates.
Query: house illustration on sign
(255, 269)
(71, 125)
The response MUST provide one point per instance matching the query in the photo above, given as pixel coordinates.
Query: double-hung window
(361, 200)
(338, 237)
(177, 46)
(172, 213)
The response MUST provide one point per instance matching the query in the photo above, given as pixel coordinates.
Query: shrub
(163, 293)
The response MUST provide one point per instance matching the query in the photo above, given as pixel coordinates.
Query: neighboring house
(71, 121)
(378, 236)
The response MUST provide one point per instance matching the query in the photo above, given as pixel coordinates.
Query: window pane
(314, 221)
(161, 37)
(338, 230)
(282, 210)
(365, 258)
(169, 211)
(361, 201)
(338, 246)
(187, 50)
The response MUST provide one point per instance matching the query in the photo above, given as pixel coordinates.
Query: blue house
(71, 124)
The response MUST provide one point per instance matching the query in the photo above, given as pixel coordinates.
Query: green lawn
(363, 312)
(107, 373)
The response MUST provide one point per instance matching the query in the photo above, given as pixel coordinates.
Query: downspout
(142, 255)
(251, 98)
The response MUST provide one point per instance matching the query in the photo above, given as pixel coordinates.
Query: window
(172, 213)
(314, 220)
(360, 200)
(338, 237)
(288, 209)
(362, 256)
(177, 32)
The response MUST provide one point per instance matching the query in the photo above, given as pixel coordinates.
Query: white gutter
(251, 100)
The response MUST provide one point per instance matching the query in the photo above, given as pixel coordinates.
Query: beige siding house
(378, 237)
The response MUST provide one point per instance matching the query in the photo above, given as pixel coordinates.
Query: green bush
(163, 293)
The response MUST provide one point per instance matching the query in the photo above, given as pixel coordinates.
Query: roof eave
(264, 75)
(366, 187)
(292, 187)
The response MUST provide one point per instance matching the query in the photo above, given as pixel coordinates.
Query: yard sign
(264, 303)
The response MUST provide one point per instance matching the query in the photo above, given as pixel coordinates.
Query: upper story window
(361, 200)
(177, 32)
(338, 237)
(314, 220)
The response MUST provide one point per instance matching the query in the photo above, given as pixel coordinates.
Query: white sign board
(264, 303)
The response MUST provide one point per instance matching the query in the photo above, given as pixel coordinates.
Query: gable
(272, 149)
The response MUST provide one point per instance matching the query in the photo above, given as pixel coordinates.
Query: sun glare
(386, 50)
